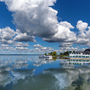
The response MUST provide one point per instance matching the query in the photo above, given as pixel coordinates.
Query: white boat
(45, 56)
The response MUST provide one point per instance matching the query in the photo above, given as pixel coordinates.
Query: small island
(71, 55)
(55, 56)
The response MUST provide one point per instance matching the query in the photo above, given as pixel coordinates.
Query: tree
(50, 53)
(54, 53)
(61, 53)
(66, 53)
(45, 54)
(73, 51)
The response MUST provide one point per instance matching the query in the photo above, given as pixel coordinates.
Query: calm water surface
(32, 73)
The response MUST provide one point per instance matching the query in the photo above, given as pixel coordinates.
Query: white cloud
(5, 48)
(64, 34)
(20, 44)
(9, 36)
(41, 49)
(14, 5)
(4, 45)
(82, 41)
(23, 37)
(37, 46)
(83, 37)
(34, 17)
(82, 26)
(21, 48)
(6, 35)
(66, 24)
(37, 18)
(66, 45)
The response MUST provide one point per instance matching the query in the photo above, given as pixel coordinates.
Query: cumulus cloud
(84, 33)
(39, 48)
(34, 17)
(64, 34)
(22, 48)
(6, 35)
(4, 45)
(6, 48)
(66, 45)
(66, 24)
(20, 44)
(67, 48)
(37, 18)
(82, 26)
(3, 41)
(23, 37)
(9, 36)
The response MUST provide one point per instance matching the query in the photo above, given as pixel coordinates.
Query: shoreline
(81, 58)
(57, 57)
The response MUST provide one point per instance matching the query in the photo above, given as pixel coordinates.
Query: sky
(39, 26)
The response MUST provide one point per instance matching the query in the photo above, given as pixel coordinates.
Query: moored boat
(45, 56)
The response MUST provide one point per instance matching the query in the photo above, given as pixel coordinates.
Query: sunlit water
(32, 73)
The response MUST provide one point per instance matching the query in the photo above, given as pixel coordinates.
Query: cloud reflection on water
(56, 75)
(11, 70)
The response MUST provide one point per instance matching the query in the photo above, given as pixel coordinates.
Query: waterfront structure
(79, 56)
(79, 61)
(45, 56)
(87, 51)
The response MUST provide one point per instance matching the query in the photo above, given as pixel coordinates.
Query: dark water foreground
(32, 73)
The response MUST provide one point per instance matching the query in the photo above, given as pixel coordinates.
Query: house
(87, 51)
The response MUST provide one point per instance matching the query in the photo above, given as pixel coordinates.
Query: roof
(87, 51)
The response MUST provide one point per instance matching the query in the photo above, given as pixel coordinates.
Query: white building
(79, 55)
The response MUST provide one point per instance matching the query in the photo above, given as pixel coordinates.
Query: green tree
(61, 53)
(73, 51)
(54, 53)
(66, 53)
(50, 53)
(45, 54)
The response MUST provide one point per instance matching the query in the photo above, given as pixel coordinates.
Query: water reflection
(28, 72)
(39, 62)
(78, 83)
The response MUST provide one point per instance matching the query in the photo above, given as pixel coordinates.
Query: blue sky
(72, 11)
(31, 26)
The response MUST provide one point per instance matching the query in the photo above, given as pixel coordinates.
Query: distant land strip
(19, 54)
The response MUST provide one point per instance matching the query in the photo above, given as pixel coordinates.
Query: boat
(79, 56)
(45, 56)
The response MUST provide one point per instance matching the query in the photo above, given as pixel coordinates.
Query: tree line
(52, 53)
(61, 54)
(67, 53)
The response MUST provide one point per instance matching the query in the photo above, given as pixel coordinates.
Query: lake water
(22, 72)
